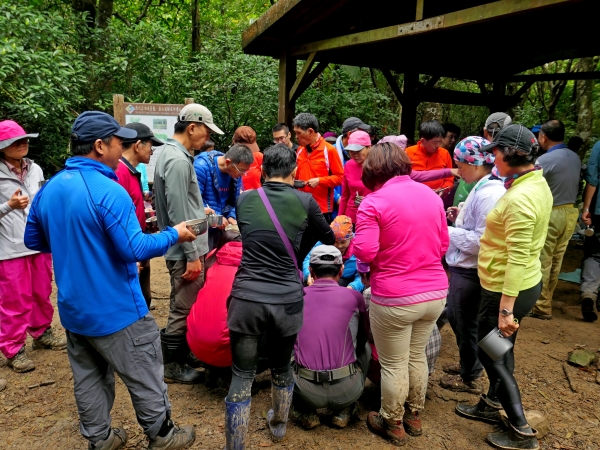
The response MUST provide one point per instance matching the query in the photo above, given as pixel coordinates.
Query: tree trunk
(585, 110)
(196, 42)
(88, 6)
(105, 12)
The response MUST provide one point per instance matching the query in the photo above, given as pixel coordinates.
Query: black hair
(279, 161)
(127, 144)
(181, 126)
(226, 237)
(515, 157)
(208, 144)
(281, 126)
(304, 121)
(431, 129)
(452, 128)
(326, 270)
(554, 130)
(575, 143)
(85, 148)
(239, 153)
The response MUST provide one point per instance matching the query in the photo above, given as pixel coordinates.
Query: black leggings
(244, 352)
(503, 386)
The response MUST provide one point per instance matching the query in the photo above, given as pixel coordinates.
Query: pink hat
(11, 131)
(357, 141)
(400, 141)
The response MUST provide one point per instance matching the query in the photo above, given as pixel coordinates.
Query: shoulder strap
(279, 228)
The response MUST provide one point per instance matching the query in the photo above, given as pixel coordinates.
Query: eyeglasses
(277, 140)
(241, 172)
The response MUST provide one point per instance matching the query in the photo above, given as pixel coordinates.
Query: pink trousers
(25, 287)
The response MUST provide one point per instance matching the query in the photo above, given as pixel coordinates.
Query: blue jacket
(88, 222)
(205, 165)
(350, 271)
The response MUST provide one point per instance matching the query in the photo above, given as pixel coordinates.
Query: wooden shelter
(487, 42)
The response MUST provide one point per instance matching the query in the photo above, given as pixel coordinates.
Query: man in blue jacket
(220, 180)
(88, 222)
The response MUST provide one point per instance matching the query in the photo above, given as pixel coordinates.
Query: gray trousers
(590, 278)
(335, 395)
(183, 296)
(134, 354)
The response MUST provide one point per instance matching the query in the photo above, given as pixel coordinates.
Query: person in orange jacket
(428, 155)
(319, 167)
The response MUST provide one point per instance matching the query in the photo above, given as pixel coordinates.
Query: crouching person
(88, 223)
(331, 352)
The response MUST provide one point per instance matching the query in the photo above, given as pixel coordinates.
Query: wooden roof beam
(467, 16)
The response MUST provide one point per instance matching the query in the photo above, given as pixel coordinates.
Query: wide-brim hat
(11, 131)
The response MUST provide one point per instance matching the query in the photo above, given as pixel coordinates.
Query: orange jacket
(439, 160)
(322, 163)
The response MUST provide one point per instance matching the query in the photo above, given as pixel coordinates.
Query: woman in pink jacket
(353, 189)
(401, 231)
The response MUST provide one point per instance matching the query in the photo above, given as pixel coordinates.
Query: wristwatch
(505, 312)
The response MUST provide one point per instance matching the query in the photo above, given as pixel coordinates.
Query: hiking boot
(395, 434)
(341, 418)
(514, 439)
(457, 384)
(540, 316)
(412, 422)
(452, 368)
(176, 438)
(115, 440)
(176, 351)
(308, 420)
(587, 310)
(278, 416)
(485, 410)
(2, 384)
(20, 362)
(48, 340)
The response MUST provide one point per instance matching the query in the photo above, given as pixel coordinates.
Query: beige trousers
(401, 334)
(560, 229)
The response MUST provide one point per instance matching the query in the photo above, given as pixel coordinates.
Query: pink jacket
(401, 230)
(352, 183)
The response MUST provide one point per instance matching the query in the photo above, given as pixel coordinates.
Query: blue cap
(536, 128)
(92, 125)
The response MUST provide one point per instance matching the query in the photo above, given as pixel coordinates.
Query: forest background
(59, 58)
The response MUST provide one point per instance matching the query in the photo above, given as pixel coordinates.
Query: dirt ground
(46, 417)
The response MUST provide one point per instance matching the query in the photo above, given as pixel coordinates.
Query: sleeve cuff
(4, 208)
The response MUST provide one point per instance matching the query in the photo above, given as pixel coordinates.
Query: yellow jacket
(509, 256)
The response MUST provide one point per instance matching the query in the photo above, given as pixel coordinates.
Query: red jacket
(207, 334)
(252, 178)
(322, 163)
(130, 179)
(439, 160)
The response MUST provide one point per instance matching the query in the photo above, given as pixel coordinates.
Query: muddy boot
(175, 353)
(514, 439)
(176, 438)
(457, 384)
(20, 362)
(2, 384)
(236, 424)
(486, 410)
(116, 439)
(341, 418)
(278, 416)
(452, 368)
(394, 433)
(48, 340)
(309, 420)
(587, 310)
(412, 422)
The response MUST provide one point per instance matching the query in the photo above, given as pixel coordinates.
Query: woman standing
(408, 283)
(354, 190)
(25, 275)
(511, 278)
(474, 166)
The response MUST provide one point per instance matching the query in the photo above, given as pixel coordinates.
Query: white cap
(198, 113)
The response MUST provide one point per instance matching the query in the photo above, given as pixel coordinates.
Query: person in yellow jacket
(511, 278)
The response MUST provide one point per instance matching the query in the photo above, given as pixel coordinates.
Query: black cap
(354, 123)
(513, 135)
(143, 134)
(92, 125)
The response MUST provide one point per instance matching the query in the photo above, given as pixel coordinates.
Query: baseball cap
(195, 112)
(353, 123)
(514, 135)
(11, 131)
(92, 125)
(401, 141)
(246, 136)
(325, 254)
(144, 133)
(502, 119)
(357, 141)
(330, 137)
(469, 151)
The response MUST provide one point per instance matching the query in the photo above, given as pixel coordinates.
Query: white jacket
(470, 223)
(12, 222)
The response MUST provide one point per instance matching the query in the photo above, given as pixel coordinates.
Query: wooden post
(119, 108)
(409, 105)
(287, 77)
